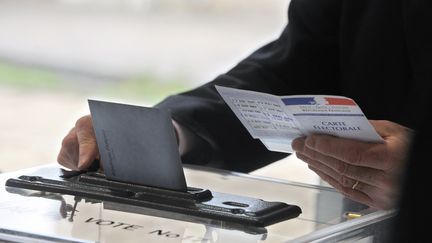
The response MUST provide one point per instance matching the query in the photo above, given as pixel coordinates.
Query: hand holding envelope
(135, 144)
(139, 151)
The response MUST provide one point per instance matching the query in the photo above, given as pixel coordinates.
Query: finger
(342, 178)
(347, 187)
(339, 177)
(298, 144)
(387, 128)
(88, 150)
(367, 175)
(334, 163)
(348, 192)
(350, 151)
(67, 156)
(382, 198)
(397, 137)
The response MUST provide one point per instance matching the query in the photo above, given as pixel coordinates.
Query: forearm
(295, 63)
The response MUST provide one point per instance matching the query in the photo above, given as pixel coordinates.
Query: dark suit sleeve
(295, 63)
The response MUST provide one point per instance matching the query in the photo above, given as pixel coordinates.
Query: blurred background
(56, 54)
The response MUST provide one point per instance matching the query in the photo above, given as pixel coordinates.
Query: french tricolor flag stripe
(318, 101)
(339, 101)
(299, 101)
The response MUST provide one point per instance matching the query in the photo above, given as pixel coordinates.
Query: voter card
(137, 145)
(277, 120)
(332, 115)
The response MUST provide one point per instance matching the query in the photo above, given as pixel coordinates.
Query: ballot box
(40, 216)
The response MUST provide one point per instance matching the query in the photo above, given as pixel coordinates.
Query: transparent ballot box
(43, 216)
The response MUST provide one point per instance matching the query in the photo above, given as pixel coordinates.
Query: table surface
(44, 215)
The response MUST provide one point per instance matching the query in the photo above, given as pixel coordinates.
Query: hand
(79, 148)
(376, 166)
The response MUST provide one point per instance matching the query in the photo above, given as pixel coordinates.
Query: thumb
(88, 152)
(88, 149)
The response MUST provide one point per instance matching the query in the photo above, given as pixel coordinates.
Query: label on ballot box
(277, 120)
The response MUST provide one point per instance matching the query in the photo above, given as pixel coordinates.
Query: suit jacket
(377, 52)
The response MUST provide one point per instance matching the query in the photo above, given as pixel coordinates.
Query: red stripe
(339, 101)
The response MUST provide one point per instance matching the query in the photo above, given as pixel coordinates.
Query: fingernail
(311, 141)
(298, 144)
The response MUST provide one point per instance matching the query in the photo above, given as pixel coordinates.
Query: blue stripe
(299, 101)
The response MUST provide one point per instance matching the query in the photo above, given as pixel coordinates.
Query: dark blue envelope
(137, 145)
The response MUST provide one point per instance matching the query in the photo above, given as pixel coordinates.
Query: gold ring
(355, 185)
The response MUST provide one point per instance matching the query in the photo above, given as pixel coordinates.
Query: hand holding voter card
(277, 120)
(282, 121)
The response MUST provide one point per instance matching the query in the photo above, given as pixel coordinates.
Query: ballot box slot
(193, 194)
(111, 188)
